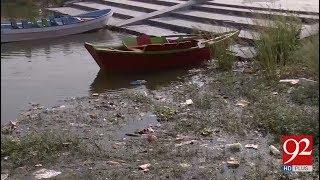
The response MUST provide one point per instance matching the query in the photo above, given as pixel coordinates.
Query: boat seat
(184, 45)
(143, 40)
(65, 20)
(153, 47)
(129, 41)
(59, 21)
(161, 47)
(169, 46)
(26, 24)
(158, 40)
(34, 23)
(74, 20)
(53, 21)
(180, 39)
(14, 24)
(45, 22)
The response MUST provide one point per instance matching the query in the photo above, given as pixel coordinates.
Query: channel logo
(297, 153)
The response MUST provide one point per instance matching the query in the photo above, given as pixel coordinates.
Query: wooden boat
(146, 53)
(54, 27)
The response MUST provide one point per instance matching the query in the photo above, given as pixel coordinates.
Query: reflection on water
(46, 71)
(50, 70)
(66, 45)
(106, 81)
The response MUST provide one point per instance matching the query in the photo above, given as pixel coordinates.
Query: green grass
(137, 96)
(278, 42)
(284, 113)
(224, 58)
(306, 95)
(309, 54)
(164, 113)
(203, 101)
(37, 148)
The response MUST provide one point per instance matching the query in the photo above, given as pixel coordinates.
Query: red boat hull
(142, 62)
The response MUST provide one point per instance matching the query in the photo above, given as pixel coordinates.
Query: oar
(198, 35)
(188, 35)
(180, 35)
(224, 36)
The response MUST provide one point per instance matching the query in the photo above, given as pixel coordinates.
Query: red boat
(146, 53)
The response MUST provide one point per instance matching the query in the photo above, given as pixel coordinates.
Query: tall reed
(278, 42)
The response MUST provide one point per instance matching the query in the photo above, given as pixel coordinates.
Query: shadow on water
(106, 81)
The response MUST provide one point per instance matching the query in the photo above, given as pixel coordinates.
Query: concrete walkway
(160, 12)
(167, 17)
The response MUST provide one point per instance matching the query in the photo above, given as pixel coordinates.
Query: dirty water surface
(51, 70)
(204, 125)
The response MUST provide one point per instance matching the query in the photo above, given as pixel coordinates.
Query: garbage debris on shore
(185, 143)
(274, 150)
(243, 103)
(188, 102)
(234, 146)
(291, 81)
(300, 81)
(233, 163)
(253, 146)
(146, 131)
(4, 176)
(145, 167)
(45, 174)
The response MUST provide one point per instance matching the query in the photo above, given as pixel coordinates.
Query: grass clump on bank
(278, 42)
(37, 147)
(224, 58)
(306, 95)
(308, 54)
(137, 96)
(164, 113)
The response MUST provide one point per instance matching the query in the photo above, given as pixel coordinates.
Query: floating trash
(138, 82)
(144, 167)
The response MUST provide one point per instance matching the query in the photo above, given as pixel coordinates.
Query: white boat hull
(11, 35)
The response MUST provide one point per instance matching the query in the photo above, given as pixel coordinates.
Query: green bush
(278, 42)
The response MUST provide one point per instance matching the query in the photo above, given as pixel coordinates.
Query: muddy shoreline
(109, 135)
